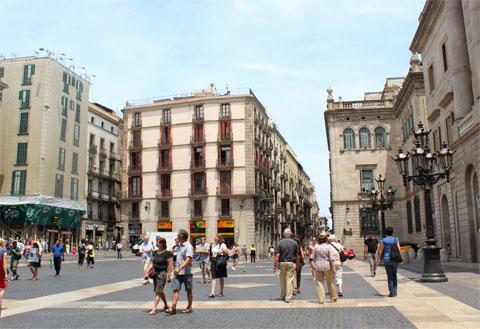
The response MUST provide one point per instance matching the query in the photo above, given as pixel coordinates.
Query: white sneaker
(233, 268)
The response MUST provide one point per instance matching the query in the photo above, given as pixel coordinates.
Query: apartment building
(203, 161)
(43, 131)
(103, 176)
(448, 40)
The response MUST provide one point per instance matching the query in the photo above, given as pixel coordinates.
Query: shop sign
(165, 225)
(226, 224)
(66, 232)
(100, 227)
(89, 227)
(197, 224)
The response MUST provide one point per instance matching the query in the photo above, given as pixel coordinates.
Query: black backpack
(395, 254)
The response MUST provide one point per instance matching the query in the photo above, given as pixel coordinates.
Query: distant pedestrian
(67, 248)
(3, 271)
(218, 259)
(34, 261)
(119, 247)
(146, 250)
(90, 254)
(235, 253)
(162, 266)
(271, 252)
(285, 259)
(203, 250)
(15, 256)
(299, 262)
(183, 273)
(325, 270)
(58, 254)
(337, 263)
(82, 249)
(245, 252)
(384, 252)
(253, 254)
(371, 247)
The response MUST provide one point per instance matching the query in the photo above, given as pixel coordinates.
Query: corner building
(201, 162)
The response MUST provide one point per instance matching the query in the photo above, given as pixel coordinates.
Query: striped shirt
(322, 256)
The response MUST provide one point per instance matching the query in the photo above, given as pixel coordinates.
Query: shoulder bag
(343, 257)
(395, 254)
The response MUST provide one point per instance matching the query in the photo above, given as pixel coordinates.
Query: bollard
(411, 254)
(444, 255)
(420, 254)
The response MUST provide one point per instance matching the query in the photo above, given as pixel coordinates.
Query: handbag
(395, 254)
(343, 257)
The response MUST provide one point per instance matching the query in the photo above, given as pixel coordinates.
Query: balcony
(136, 125)
(134, 169)
(197, 165)
(198, 193)
(197, 119)
(103, 152)
(135, 146)
(197, 140)
(224, 214)
(163, 215)
(129, 196)
(112, 155)
(164, 144)
(276, 185)
(92, 195)
(224, 165)
(224, 191)
(164, 194)
(196, 214)
(164, 168)
(92, 149)
(225, 138)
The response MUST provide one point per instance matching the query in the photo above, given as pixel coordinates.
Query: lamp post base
(432, 267)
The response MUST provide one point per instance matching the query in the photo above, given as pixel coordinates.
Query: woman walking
(337, 263)
(311, 252)
(323, 265)
(3, 271)
(90, 255)
(34, 261)
(162, 265)
(235, 252)
(219, 259)
(384, 252)
(300, 261)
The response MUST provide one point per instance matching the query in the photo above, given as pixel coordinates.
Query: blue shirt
(388, 242)
(184, 250)
(57, 250)
(145, 246)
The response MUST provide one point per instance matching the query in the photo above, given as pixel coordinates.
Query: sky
(288, 52)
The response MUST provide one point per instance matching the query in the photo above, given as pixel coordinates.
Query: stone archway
(473, 204)
(447, 234)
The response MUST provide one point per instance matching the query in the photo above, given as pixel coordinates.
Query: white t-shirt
(219, 249)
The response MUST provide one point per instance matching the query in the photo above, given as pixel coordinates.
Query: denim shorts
(185, 279)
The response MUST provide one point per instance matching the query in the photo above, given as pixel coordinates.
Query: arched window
(348, 139)
(418, 218)
(380, 137)
(409, 217)
(364, 134)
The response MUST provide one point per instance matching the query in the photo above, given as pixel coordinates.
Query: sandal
(220, 295)
(211, 296)
(152, 312)
(187, 310)
(171, 311)
(165, 309)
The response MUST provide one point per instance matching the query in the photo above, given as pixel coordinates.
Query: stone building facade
(207, 162)
(103, 189)
(43, 133)
(448, 40)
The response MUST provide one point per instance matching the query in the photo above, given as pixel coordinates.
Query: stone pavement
(111, 296)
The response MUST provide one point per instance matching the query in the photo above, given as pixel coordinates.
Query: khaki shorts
(159, 282)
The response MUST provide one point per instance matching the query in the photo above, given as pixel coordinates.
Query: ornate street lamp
(382, 199)
(428, 167)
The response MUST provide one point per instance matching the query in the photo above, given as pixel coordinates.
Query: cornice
(472, 132)
(413, 81)
(430, 13)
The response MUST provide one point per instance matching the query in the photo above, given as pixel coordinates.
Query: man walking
(183, 273)
(58, 254)
(146, 250)
(119, 246)
(203, 250)
(371, 246)
(253, 254)
(285, 258)
(16, 255)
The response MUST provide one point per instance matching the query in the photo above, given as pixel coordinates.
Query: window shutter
(25, 74)
(20, 95)
(32, 70)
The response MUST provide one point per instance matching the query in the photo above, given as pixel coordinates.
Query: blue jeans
(391, 269)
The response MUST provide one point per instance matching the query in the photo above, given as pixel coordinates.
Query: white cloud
(269, 68)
